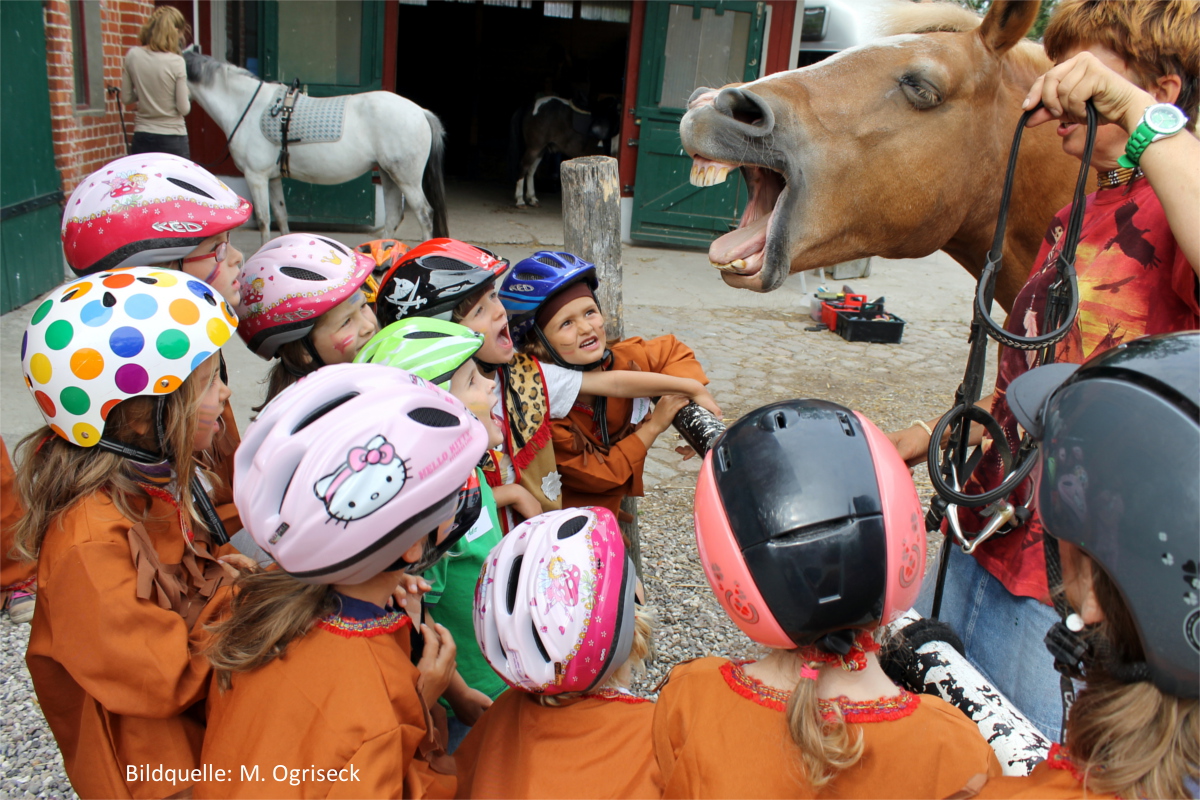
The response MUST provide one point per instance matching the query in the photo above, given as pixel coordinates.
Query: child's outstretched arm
(517, 496)
(628, 383)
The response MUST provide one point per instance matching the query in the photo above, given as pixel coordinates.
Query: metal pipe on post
(591, 210)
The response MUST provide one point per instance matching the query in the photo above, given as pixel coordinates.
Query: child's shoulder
(696, 670)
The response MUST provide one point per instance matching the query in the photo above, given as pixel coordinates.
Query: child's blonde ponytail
(827, 746)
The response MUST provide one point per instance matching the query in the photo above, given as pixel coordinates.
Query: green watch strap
(1139, 140)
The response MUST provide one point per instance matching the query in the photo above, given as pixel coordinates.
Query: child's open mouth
(589, 343)
(504, 338)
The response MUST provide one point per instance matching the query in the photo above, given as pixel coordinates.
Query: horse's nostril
(745, 107)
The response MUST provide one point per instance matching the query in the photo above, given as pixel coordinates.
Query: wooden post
(591, 209)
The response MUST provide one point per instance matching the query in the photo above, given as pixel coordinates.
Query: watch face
(1165, 118)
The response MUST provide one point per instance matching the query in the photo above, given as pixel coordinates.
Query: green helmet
(432, 349)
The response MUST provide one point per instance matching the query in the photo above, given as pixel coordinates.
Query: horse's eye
(919, 92)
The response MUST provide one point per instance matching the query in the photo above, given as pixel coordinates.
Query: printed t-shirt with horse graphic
(1134, 281)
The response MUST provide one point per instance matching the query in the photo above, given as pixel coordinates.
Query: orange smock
(115, 645)
(595, 475)
(15, 573)
(596, 746)
(720, 733)
(1056, 778)
(343, 700)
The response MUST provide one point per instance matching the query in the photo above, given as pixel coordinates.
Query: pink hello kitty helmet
(143, 210)
(291, 281)
(808, 524)
(554, 606)
(347, 469)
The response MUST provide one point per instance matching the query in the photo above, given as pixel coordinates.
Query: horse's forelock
(935, 17)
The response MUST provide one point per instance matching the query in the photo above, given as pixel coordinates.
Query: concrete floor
(926, 291)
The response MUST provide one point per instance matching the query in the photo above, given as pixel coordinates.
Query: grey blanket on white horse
(314, 119)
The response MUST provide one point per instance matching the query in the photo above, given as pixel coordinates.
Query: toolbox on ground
(884, 328)
(829, 308)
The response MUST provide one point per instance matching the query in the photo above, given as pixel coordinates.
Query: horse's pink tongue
(740, 243)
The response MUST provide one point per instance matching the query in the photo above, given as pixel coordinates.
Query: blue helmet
(535, 280)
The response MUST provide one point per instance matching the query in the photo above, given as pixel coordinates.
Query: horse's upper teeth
(709, 174)
(736, 266)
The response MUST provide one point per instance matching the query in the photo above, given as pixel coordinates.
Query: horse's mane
(201, 68)
(945, 17)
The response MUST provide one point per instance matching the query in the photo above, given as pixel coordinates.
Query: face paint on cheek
(208, 415)
(341, 344)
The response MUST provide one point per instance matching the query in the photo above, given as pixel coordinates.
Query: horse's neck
(225, 100)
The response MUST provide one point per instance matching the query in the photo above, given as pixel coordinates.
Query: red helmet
(433, 278)
(143, 210)
(808, 523)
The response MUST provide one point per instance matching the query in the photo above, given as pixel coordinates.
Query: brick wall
(84, 142)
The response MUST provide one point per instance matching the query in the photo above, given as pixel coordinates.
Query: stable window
(87, 56)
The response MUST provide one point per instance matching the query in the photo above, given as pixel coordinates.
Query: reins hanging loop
(952, 466)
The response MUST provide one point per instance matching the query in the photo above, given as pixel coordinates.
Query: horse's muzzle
(748, 111)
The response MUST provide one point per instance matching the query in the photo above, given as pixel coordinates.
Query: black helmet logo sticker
(404, 297)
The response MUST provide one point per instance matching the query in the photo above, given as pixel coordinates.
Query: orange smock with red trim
(343, 699)
(720, 733)
(115, 645)
(595, 475)
(596, 746)
(1056, 778)
(15, 573)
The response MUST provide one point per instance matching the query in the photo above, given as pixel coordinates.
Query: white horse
(381, 129)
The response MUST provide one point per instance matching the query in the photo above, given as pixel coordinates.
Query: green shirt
(452, 598)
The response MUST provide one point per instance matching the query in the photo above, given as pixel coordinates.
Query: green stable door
(686, 45)
(334, 47)
(31, 257)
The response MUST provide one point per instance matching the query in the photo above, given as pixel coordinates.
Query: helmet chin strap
(1068, 648)
(200, 498)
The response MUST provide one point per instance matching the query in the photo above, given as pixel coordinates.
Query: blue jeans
(1003, 637)
(458, 732)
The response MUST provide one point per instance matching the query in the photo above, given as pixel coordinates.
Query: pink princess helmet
(291, 281)
(143, 210)
(808, 524)
(347, 469)
(554, 606)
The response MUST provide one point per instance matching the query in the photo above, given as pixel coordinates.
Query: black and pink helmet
(808, 523)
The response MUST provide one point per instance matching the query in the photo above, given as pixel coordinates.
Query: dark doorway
(476, 64)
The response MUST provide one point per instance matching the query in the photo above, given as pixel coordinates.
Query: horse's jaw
(757, 254)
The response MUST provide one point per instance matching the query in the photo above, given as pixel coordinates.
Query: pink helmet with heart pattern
(554, 606)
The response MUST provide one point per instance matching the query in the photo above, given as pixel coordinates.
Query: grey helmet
(1120, 441)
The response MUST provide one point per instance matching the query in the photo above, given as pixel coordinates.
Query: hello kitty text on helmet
(145, 209)
(290, 282)
(832, 544)
(107, 337)
(343, 472)
(554, 606)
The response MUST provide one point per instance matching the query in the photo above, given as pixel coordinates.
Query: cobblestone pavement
(756, 350)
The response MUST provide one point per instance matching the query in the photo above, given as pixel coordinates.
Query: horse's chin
(755, 254)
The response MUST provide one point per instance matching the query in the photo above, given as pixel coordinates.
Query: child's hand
(236, 564)
(437, 665)
(706, 401)
(520, 498)
(665, 410)
(468, 705)
(409, 586)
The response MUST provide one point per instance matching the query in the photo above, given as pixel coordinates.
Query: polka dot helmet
(114, 335)
(145, 209)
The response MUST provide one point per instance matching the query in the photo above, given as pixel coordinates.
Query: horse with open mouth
(894, 148)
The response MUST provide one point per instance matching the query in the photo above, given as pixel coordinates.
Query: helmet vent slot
(572, 526)
(514, 578)
(527, 276)
(780, 420)
(549, 262)
(844, 418)
(433, 417)
(335, 245)
(426, 335)
(301, 274)
(724, 458)
(187, 187)
(442, 262)
(322, 410)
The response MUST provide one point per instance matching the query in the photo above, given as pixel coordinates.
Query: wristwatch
(1158, 122)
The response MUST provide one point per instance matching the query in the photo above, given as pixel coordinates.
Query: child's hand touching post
(664, 412)
(437, 665)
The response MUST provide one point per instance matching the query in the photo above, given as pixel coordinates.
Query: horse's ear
(1006, 22)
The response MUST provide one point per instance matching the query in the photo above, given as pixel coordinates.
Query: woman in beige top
(155, 79)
